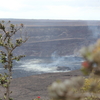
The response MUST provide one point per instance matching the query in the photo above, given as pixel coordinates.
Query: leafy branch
(7, 57)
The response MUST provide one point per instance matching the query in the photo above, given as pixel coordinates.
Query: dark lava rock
(62, 68)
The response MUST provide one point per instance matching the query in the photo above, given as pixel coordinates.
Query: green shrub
(81, 88)
(9, 44)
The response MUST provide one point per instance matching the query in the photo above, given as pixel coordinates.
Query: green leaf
(5, 97)
(85, 72)
(10, 98)
(5, 85)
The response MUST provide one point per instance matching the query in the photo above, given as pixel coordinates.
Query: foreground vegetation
(76, 88)
(9, 44)
(81, 88)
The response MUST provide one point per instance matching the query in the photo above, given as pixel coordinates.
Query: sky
(50, 9)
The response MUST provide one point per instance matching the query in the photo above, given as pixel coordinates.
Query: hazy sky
(51, 9)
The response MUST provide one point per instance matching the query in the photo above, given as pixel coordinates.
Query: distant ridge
(50, 22)
(45, 19)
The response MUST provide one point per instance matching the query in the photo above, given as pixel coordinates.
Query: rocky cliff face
(44, 41)
(61, 36)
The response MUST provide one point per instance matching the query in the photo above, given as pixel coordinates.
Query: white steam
(49, 65)
(95, 30)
